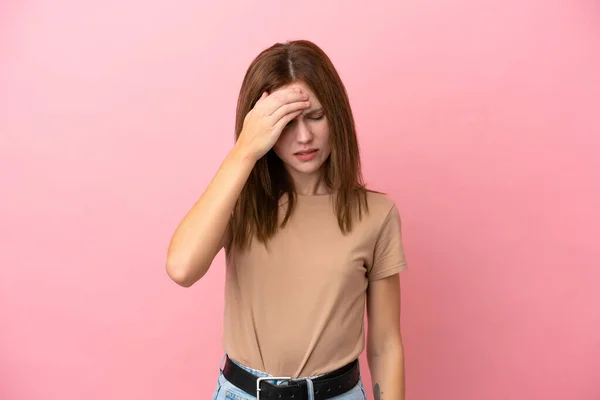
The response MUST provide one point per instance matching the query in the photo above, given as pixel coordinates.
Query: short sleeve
(388, 254)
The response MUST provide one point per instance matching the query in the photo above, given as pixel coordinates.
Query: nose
(303, 133)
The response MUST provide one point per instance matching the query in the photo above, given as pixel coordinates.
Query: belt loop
(311, 389)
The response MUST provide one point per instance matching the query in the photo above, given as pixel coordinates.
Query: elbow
(181, 272)
(386, 345)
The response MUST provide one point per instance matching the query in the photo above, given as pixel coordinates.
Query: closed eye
(315, 114)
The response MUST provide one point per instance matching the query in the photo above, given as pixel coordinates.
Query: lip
(306, 155)
(305, 151)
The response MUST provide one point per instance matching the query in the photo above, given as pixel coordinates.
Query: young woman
(307, 245)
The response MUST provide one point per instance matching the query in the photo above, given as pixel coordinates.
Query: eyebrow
(315, 111)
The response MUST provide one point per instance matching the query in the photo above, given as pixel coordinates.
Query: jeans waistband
(264, 374)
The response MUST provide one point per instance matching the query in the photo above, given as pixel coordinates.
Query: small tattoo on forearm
(377, 392)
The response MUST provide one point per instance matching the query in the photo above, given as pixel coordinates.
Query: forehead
(312, 97)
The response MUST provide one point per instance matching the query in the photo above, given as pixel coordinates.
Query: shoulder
(381, 209)
(380, 204)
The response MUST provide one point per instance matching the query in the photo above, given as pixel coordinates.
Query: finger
(263, 96)
(288, 108)
(277, 99)
(260, 100)
(285, 120)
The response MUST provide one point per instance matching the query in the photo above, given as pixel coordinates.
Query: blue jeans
(226, 391)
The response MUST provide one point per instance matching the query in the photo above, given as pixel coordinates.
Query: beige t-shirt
(297, 309)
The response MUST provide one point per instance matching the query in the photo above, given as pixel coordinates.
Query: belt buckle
(269, 378)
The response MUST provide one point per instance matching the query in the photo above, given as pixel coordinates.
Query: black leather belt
(332, 384)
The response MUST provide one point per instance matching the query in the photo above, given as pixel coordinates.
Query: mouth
(305, 152)
(306, 155)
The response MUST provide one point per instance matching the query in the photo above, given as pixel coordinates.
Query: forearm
(387, 373)
(199, 236)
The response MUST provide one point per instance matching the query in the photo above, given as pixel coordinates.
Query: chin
(308, 169)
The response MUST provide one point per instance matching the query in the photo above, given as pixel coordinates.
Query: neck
(310, 185)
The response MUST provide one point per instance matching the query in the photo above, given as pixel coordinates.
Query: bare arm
(385, 351)
(202, 232)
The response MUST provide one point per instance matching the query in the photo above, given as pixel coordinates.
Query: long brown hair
(256, 212)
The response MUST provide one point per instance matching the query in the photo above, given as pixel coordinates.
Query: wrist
(241, 154)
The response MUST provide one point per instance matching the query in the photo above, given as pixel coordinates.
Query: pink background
(480, 118)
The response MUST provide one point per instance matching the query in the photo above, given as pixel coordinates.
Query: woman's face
(304, 143)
